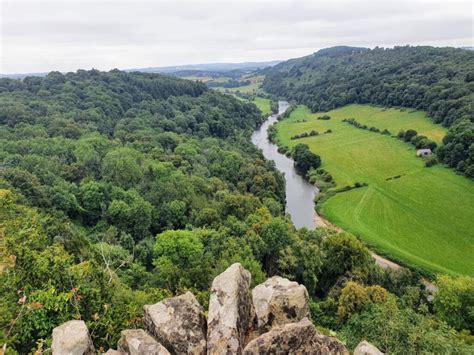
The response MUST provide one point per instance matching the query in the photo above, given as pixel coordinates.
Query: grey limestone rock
(72, 338)
(178, 323)
(229, 311)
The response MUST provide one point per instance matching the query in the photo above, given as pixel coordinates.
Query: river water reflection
(299, 193)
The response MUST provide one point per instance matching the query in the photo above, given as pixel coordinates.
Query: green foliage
(401, 331)
(121, 167)
(431, 161)
(304, 158)
(355, 297)
(180, 260)
(458, 151)
(303, 259)
(130, 212)
(276, 235)
(93, 165)
(454, 301)
(344, 254)
(112, 159)
(409, 134)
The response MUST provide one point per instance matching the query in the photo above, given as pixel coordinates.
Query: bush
(304, 135)
(431, 161)
(324, 118)
(305, 159)
(454, 301)
(409, 134)
(401, 331)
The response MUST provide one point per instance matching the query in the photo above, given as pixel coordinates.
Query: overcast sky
(65, 35)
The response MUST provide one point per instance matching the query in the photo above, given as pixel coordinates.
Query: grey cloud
(66, 35)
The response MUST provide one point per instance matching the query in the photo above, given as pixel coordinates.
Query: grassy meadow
(422, 217)
(252, 88)
(263, 105)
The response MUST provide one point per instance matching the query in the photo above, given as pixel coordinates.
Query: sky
(39, 36)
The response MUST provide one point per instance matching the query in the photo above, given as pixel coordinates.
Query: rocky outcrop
(273, 319)
(365, 348)
(229, 311)
(279, 301)
(72, 338)
(178, 323)
(139, 342)
(113, 352)
(295, 338)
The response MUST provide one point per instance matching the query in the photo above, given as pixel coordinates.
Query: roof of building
(423, 151)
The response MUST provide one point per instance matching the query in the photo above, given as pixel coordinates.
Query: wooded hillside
(119, 190)
(437, 80)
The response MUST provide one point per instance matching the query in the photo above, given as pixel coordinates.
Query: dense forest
(121, 189)
(437, 80)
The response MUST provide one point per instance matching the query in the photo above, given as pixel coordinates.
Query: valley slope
(421, 216)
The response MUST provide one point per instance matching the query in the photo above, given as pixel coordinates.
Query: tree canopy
(121, 189)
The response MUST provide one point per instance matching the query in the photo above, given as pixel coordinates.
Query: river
(299, 193)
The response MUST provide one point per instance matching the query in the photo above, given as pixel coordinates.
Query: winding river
(299, 193)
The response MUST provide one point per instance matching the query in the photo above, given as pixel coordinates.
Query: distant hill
(21, 76)
(210, 67)
(180, 70)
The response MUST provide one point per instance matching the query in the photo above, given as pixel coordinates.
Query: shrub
(454, 301)
(431, 161)
(325, 118)
(409, 134)
(305, 159)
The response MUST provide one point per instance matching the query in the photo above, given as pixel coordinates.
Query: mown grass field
(263, 105)
(425, 218)
(252, 88)
(204, 79)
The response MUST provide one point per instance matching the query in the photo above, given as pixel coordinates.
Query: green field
(425, 218)
(263, 105)
(252, 88)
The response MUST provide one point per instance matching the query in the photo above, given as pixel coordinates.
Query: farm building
(423, 152)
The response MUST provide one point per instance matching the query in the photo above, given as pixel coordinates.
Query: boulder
(295, 338)
(72, 338)
(113, 352)
(279, 301)
(178, 323)
(139, 342)
(365, 348)
(229, 311)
